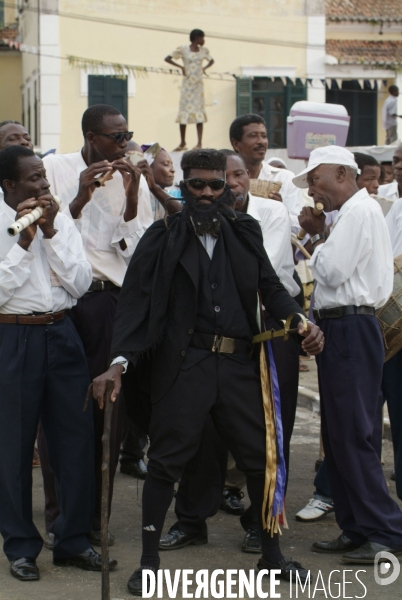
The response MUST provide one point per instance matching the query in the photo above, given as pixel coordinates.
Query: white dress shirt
(101, 222)
(49, 276)
(275, 225)
(389, 190)
(389, 108)
(291, 195)
(394, 223)
(355, 264)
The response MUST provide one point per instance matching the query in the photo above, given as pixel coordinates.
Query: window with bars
(108, 89)
(272, 99)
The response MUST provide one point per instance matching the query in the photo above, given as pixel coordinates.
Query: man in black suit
(185, 321)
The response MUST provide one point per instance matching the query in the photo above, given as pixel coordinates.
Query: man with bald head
(353, 269)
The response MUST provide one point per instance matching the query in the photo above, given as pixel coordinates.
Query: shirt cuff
(126, 229)
(120, 360)
(315, 255)
(68, 214)
(18, 255)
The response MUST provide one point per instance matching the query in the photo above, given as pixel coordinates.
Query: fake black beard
(206, 218)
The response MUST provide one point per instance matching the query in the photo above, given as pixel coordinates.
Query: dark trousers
(229, 390)
(349, 374)
(44, 376)
(392, 389)
(196, 502)
(93, 317)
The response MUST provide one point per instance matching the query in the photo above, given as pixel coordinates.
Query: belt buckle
(216, 344)
(102, 286)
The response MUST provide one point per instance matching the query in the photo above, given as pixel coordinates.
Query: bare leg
(199, 134)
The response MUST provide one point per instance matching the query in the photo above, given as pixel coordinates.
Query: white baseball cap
(328, 155)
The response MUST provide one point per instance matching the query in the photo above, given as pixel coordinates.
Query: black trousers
(44, 376)
(200, 490)
(392, 388)
(134, 442)
(349, 374)
(93, 317)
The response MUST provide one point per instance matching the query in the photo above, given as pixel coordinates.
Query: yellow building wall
(153, 109)
(10, 81)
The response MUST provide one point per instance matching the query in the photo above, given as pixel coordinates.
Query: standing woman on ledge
(192, 106)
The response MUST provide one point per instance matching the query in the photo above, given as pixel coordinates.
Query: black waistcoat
(219, 308)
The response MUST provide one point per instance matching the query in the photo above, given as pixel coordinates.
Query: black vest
(219, 307)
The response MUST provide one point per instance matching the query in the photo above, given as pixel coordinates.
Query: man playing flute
(43, 371)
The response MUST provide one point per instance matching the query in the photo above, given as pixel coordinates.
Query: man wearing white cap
(353, 270)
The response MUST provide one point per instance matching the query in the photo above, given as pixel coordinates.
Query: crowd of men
(163, 292)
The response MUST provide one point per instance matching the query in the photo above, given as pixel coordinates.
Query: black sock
(156, 498)
(271, 551)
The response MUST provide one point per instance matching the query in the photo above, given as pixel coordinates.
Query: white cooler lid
(320, 108)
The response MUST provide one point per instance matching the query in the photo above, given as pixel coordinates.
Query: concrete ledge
(311, 400)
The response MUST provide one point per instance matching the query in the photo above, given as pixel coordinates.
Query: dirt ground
(224, 548)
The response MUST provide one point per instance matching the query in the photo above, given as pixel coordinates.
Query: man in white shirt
(353, 270)
(393, 190)
(43, 373)
(248, 136)
(111, 220)
(389, 114)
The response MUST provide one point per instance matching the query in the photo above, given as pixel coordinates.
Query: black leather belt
(216, 343)
(342, 311)
(102, 286)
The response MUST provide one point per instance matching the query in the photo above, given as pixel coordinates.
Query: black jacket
(157, 306)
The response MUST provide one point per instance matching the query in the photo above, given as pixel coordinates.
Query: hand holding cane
(317, 211)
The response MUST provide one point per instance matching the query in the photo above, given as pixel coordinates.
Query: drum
(390, 315)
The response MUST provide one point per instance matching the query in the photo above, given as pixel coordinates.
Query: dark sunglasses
(200, 184)
(117, 137)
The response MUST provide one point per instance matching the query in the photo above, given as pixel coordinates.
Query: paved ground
(223, 550)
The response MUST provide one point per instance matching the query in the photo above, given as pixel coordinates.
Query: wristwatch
(318, 236)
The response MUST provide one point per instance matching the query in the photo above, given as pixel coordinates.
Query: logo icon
(386, 563)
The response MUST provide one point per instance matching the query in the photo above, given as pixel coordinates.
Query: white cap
(328, 155)
(277, 159)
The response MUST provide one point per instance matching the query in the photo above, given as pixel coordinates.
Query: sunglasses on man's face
(200, 184)
(117, 137)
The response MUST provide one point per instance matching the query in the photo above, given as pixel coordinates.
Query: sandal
(303, 367)
(180, 148)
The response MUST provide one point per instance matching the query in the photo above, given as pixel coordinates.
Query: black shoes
(134, 584)
(24, 569)
(176, 539)
(288, 569)
(230, 502)
(88, 561)
(365, 555)
(48, 542)
(136, 469)
(95, 538)
(252, 542)
(341, 544)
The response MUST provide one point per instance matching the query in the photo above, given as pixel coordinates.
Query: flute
(28, 219)
(104, 178)
(317, 210)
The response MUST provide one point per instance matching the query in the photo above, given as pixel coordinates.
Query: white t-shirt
(355, 265)
(389, 108)
(101, 222)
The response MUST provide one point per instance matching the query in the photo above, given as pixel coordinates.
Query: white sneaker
(314, 510)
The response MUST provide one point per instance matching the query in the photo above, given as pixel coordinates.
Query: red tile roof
(364, 10)
(384, 53)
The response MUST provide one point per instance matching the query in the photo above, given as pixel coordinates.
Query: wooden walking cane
(107, 423)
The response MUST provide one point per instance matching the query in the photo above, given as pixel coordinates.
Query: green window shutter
(294, 93)
(243, 95)
(108, 89)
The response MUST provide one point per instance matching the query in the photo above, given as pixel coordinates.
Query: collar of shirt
(389, 190)
(7, 210)
(360, 196)
(252, 208)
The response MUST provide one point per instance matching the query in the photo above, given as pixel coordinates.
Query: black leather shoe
(134, 584)
(287, 567)
(88, 561)
(341, 544)
(95, 538)
(24, 569)
(366, 554)
(176, 539)
(252, 542)
(230, 502)
(136, 469)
